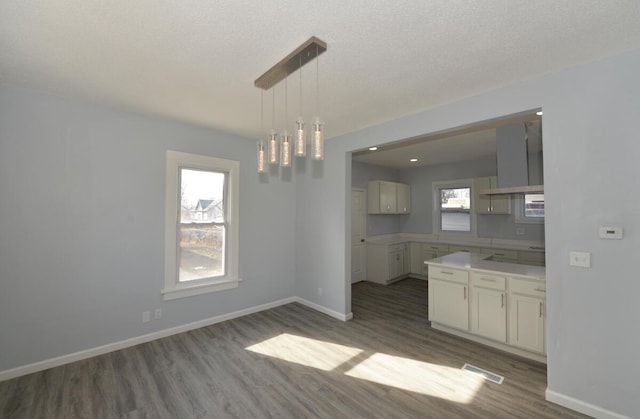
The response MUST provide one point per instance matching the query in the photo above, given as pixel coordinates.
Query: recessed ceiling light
(413, 160)
(373, 148)
(539, 113)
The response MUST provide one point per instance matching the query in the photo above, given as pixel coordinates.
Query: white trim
(174, 162)
(580, 406)
(325, 310)
(114, 346)
(435, 211)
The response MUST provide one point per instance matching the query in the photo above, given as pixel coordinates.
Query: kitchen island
(495, 303)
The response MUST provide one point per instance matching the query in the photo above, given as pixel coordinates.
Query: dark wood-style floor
(292, 362)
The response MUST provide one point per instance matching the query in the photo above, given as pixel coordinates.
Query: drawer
(501, 254)
(447, 274)
(454, 249)
(527, 287)
(397, 248)
(436, 247)
(484, 280)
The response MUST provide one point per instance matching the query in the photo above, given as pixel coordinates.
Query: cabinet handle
(540, 308)
(465, 292)
(488, 209)
(487, 279)
(446, 273)
(540, 290)
(502, 298)
(499, 254)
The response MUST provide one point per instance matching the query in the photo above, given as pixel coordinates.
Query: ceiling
(196, 60)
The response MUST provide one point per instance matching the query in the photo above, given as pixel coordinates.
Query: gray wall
(82, 226)
(590, 155)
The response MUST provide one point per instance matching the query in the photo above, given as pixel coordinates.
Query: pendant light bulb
(285, 157)
(273, 147)
(301, 139)
(262, 157)
(318, 140)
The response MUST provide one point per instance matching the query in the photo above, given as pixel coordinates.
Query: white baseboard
(580, 406)
(110, 347)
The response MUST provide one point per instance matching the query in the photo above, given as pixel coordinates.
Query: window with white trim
(452, 212)
(530, 208)
(201, 225)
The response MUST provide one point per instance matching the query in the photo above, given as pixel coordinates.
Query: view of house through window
(534, 205)
(455, 209)
(202, 224)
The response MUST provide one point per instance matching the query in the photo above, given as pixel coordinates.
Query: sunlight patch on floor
(312, 353)
(421, 377)
(434, 380)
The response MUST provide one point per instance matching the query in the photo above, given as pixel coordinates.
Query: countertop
(478, 262)
(484, 243)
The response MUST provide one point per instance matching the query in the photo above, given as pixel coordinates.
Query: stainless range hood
(519, 159)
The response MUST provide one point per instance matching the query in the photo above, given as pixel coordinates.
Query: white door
(358, 249)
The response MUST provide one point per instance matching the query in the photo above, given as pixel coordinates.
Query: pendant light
(301, 137)
(262, 155)
(318, 135)
(273, 137)
(285, 157)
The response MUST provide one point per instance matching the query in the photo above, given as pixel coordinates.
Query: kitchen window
(530, 208)
(201, 226)
(452, 207)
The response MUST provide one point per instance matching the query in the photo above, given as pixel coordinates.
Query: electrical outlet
(520, 231)
(157, 314)
(581, 259)
(146, 316)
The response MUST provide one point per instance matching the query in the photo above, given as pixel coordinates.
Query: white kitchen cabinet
(527, 314)
(501, 255)
(403, 198)
(385, 197)
(489, 306)
(531, 258)
(449, 297)
(416, 261)
(387, 263)
(490, 204)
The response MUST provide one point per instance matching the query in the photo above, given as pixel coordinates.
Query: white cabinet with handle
(448, 297)
(387, 263)
(385, 197)
(490, 204)
(489, 306)
(527, 314)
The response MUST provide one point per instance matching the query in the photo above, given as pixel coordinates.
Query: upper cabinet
(490, 204)
(388, 198)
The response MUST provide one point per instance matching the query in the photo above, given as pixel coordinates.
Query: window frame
(175, 161)
(436, 224)
(520, 218)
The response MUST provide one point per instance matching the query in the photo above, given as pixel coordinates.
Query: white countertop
(478, 262)
(390, 240)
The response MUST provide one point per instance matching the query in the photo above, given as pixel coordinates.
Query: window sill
(182, 291)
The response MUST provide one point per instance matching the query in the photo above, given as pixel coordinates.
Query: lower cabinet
(448, 297)
(526, 315)
(489, 306)
(386, 263)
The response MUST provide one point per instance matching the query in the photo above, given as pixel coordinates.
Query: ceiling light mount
(306, 52)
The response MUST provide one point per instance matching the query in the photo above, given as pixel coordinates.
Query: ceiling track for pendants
(292, 62)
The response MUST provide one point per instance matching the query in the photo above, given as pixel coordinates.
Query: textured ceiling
(196, 60)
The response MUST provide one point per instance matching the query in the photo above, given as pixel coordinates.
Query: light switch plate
(581, 259)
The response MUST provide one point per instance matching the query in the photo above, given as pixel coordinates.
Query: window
(530, 208)
(201, 237)
(452, 207)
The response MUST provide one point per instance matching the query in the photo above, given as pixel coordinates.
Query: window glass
(534, 205)
(202, 224)
(455, 209)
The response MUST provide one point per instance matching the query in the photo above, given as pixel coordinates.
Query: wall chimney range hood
(519, 159)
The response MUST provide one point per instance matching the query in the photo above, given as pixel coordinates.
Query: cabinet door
(415, 258)
(500, 204)
(403, 198)
(489, 313)
(482, 202)
(449, 304)
(388, 197)
(406, 257)
(527, 323)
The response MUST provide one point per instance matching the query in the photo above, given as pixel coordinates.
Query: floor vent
(483, 373)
